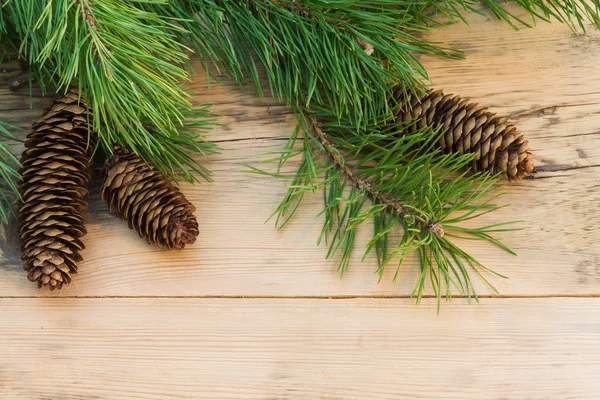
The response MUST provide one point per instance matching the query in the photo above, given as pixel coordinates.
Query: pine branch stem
(352, 176)
(87, 13)
(306, 11)
(393, 204)
(90, 19)
(299, 8)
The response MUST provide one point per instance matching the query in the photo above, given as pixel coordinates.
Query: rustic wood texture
(298, 349)
(141, 323)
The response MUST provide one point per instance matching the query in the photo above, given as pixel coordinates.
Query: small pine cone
(499, 148)
(148, 201)
(55, 167)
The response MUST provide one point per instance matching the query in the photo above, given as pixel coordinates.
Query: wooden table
(249, 312)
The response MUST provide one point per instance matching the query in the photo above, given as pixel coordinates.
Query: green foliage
(407, 188)
(312, 54)
(129, 65)
(130, 57)
(573, 13)
(333, 61)
(8, 171)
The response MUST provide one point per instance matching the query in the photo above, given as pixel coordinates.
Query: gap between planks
(323, 297)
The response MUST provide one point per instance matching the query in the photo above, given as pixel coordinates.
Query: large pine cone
(55, 167)
(148, 201)
(497, 145)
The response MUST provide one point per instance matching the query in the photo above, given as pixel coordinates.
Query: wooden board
(238, 255)
(517, 349)
(557, 245)
(249, 312)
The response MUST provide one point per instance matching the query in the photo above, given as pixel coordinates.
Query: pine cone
(55, 168)
(470, 129)
(148, 201)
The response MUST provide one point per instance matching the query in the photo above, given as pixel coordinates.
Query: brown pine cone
(148, 201)
(55, 167)
(497, 145)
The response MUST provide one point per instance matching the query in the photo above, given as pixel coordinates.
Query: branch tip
(437, 229)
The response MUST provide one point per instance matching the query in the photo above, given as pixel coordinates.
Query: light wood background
(249, 312)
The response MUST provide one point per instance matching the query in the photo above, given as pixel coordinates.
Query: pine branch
(9, 175)
(405, 185)
(313, 52)
(344, 55)
(573, 13)
(391, 203)
(341, 54)
(131, 81)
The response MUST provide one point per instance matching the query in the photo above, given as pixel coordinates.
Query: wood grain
(252, 313)
(239, 255)
(517, 349)
(544, 78)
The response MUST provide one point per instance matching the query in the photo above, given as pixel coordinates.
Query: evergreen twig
(393, 204)
(405, 186)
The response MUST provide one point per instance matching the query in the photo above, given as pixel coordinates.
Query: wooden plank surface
(249, 312)
(545, 78)
(517, 349)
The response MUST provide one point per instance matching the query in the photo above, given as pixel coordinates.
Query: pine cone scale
(150, 204)
(497, 146)
(55, 168)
